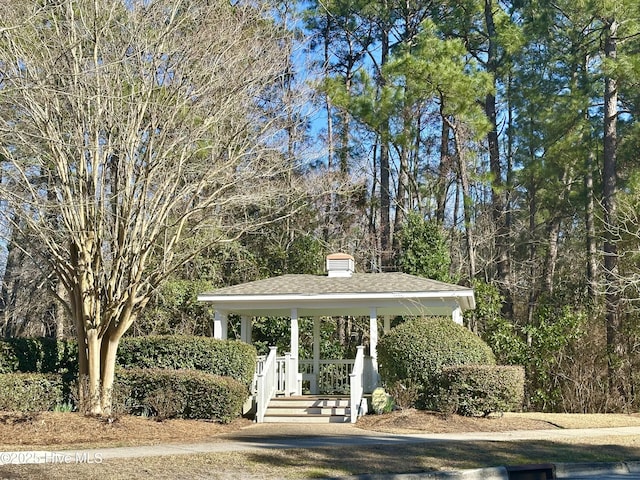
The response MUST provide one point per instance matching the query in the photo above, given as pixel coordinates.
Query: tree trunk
(403, 190)
(97, 350)
(372, 212)
(443, 169)
(553, 237)
(401, 202)
(385, 174)
(109, 348)
(551, 259)
(415, 173)
(94, 406)
(466, 202)
(592, 258)
(615, 341)
(345, 130)
(83, 357)
(534, 290)
(497, 186)
(326, 63)
(385, 206)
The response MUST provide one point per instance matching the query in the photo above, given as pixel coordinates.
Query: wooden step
(299, 410)
(309, 409)
(306, 418)
(311, 401)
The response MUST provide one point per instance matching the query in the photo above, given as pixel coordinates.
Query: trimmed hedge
(220, 357)
(415, 352)
(31, 392)
(166, 393)
(478, 390)
(227, 358)
(164, 376)
(38, 355)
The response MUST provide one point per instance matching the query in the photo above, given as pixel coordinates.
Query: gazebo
(341, 292)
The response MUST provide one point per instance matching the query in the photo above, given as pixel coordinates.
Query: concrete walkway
(284, 436)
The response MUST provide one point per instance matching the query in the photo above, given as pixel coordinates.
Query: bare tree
(626, 237)
(127, 127)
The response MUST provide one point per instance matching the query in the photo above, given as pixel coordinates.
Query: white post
(225, 327)
(316, 355)
(245, 329)
(220, 325)
(293, 375)
(373, 345)
(457, 315)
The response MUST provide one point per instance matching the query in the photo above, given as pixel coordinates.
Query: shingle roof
(314, 295)
(391, 282)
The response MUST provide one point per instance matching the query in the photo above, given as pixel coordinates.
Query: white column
(373, 345)
(387, 323)
(245, 329)
(293, 374)
(294, 332)
(220, 325)
(316, 355)
(457, 315)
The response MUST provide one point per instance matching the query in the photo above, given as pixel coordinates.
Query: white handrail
(266, 384)
(356, 380)
(332, 377)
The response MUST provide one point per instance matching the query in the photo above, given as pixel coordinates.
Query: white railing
(356, 381)
(279, 376)
(281, 373)
(333, 376)
(259, 369)
(267, 383)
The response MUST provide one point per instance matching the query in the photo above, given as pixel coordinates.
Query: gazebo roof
(316, 295)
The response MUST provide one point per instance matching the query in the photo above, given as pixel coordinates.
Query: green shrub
(404, 394)
(38, 355)
(478, 390)
(220, 357)
(226, 358)
(423, 248)
(166, 393)
(417, 350)
(8, 359)
(31, 392)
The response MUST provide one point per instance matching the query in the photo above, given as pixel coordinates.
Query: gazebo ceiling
(313, 295)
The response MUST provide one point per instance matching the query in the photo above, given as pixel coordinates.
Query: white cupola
(340, 265)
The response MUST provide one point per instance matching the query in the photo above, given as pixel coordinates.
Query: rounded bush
(478, 390)
(417, 350)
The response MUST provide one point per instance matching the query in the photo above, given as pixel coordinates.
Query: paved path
(283, 436)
